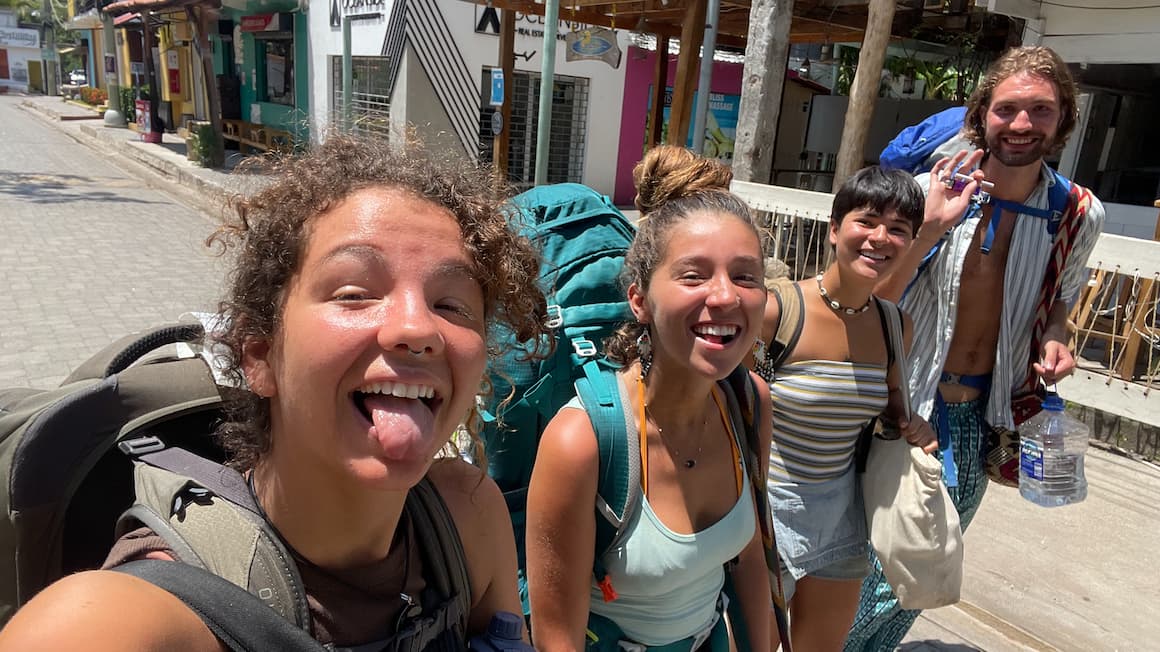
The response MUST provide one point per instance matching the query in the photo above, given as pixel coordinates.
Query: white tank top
(668, 583)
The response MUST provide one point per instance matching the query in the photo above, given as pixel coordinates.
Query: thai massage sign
(18, 37)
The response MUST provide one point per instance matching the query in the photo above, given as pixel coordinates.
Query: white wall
(1113, 31)
(605, 89)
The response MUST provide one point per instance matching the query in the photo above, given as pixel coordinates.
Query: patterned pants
(881, 623)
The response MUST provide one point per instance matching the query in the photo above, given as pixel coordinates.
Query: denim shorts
(821, 530)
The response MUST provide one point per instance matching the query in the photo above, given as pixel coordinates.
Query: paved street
(87, 252)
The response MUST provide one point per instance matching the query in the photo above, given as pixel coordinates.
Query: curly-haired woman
(361, 293)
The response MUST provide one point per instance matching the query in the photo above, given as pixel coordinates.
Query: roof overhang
(157, 6)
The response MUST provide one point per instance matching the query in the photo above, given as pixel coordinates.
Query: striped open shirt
(932, 300)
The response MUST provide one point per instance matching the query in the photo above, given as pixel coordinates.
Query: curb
(200, 193)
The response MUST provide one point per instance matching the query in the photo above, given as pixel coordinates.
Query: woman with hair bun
(694, 282)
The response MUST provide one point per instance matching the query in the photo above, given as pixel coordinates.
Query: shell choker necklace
(837, 307)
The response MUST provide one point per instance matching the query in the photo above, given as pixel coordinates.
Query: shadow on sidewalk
(936, 646)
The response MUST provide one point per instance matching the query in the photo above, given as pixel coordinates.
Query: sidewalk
(207, 189)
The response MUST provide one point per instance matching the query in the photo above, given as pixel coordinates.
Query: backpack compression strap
(239, 619)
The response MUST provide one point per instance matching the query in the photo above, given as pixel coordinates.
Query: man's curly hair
(269, 232)
(1034, 60)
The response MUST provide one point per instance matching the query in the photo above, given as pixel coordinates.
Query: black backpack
(124, 442)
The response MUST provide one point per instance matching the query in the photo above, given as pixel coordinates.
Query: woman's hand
(918, 432)
(945, 206)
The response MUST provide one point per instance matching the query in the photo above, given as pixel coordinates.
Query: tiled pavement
(88, 252)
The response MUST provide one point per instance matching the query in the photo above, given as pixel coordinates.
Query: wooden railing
(1114, 323)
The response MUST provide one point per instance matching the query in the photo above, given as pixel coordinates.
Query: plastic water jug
(504, 634)
(1051, 450)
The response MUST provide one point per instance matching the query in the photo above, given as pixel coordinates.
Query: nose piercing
(414, 352)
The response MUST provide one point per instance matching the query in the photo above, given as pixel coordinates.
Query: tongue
(712, 339)
(404, 427)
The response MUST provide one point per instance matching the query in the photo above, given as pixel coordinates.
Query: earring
(645, 353)
(759, 351)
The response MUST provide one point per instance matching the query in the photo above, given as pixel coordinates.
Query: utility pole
(547, 83)
(864, 90)
(705, 81)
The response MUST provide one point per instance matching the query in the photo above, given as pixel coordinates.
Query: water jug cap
(506, 626)
(1053, 402)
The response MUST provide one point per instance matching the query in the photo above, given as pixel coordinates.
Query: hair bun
(668, 172)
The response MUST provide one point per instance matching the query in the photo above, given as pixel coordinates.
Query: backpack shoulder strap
(791, 316)
(206, 514)
(618, 482)
(445, 565)
(741, 396)
(239, 619)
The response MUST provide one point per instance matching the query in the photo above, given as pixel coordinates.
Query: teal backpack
(583, 239)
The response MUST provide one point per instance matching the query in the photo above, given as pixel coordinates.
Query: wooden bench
(250, 136)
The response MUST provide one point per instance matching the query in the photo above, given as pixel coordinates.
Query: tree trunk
(864, 90)
(762, 82)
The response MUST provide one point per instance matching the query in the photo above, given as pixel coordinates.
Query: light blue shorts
(821, 530)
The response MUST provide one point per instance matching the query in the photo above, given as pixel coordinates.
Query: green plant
(201, 139)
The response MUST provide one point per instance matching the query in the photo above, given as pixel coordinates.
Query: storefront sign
(720, 124)
(18, 37)
(527, 25)
(598, 44)
(340, 8)
(267, 23)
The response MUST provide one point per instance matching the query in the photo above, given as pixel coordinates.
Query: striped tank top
(819, 407)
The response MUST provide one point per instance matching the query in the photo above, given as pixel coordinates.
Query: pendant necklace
(690, 462)
(837, 307)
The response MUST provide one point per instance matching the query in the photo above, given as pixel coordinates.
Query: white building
(426, 65)
(1113, 47)
(19, 55)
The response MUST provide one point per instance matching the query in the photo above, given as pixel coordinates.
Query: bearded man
(972, 282)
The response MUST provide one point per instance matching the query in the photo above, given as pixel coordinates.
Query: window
(370, 102)
(277, 56)
(569, 127)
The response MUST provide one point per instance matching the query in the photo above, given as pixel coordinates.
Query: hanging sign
(595, 43)
(267, 23)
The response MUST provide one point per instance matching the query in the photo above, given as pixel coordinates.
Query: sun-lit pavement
(87, 252)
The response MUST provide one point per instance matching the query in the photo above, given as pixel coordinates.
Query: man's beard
(1014, 159)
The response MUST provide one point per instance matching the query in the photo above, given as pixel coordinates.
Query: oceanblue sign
(596, 43)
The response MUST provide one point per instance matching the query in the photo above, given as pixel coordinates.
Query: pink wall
(634, 114)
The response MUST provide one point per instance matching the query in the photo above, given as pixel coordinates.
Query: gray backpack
(121, 445)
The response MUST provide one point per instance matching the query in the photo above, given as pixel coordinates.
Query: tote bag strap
(898, 344)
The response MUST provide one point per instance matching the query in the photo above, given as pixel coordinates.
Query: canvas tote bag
(913, 525)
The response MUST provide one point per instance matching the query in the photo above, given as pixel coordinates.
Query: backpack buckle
(141, 446)
(584, 348)
(555, 316)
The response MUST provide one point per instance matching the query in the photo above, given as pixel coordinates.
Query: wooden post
(864, 90)
(1145, 302)
(507, 62)
(692, 33)
(656, 112)
(762, 82)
